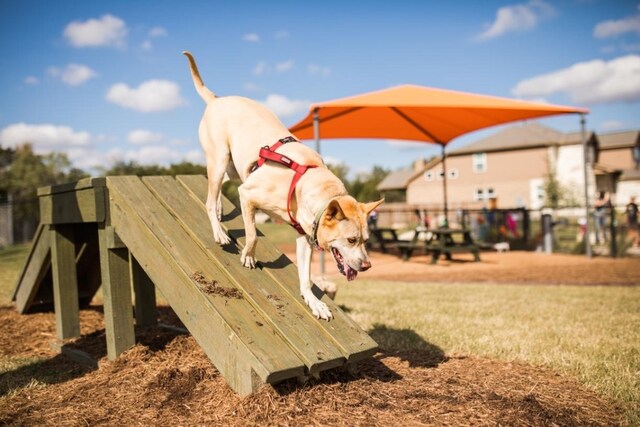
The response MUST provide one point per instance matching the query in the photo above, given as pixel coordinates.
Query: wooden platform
(154, 232)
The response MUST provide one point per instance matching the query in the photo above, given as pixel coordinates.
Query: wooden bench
(442, 242)
(386, 240)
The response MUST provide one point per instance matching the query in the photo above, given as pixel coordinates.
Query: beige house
(511, 166)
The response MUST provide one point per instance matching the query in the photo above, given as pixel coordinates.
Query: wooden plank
(230, 332)
(36, 265)
(65, 283)
(354, 343)
(295, 324)
(86, 205)
(116, 290)
(72, 186)
(146, 312)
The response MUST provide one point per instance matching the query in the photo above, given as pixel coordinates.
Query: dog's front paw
(318, 308)
(221, 238)
(248, 261)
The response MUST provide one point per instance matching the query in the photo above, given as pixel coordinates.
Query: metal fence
(18, 220)
(523, 228)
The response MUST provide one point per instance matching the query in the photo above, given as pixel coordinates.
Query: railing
(523, 228)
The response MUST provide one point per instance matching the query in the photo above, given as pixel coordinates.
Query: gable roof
(529, 135)
(400, 179)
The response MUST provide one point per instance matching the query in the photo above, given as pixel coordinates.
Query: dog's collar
(316, 224)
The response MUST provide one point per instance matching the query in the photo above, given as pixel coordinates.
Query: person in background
(631, 211)
(602, 206)
(372, 220)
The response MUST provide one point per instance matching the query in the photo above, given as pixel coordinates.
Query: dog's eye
(352, 240)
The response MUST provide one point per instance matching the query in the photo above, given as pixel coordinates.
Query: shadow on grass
(407, 345)
(55, 370)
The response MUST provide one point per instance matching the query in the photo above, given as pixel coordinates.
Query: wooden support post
(145, 295)
(116, 288)
(65, 281)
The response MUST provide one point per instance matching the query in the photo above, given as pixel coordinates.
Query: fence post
(613, 249)
(547, 229)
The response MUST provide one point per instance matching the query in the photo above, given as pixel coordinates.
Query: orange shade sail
(418, 113)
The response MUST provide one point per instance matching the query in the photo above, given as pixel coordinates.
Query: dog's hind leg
(215, 174)
(247, 258)
(303, 254)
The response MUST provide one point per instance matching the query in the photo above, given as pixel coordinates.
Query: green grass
(11, 260)
(592, 333)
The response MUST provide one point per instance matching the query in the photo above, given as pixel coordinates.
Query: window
(482, 194)
(479, 162)
(453, 173)
(490, 194)
(428, 176)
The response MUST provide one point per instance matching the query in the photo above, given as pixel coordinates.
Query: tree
(25, 174)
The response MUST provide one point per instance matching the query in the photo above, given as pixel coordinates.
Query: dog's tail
(202, 90)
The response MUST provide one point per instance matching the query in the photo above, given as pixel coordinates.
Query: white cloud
(404, 145)
(31, 80)
(251, 87)
(108, 30)
(317, 70)
(143, 136)
(284, 66)
(73, 74)
(251, 38)
(150, 96)
(154, 154)
(614, 28)
(612, 125)
(282, 34)
(285, 107)
(592, 82)
(146, 45)
(260, 68)
(44, 137)
(158, 32)
(519, 17)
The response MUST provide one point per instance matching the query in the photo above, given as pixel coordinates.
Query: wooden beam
(145, 295)
(86, 205)
(116, 290)
(65, 282)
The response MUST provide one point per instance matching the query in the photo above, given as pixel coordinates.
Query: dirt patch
(166, 378)
(510, 267)
(212, 287)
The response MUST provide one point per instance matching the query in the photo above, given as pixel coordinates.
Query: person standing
(602, 205)
(631, 211)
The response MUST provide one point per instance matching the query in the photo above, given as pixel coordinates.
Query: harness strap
(269, 153)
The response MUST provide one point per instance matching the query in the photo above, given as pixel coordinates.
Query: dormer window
(479, 162)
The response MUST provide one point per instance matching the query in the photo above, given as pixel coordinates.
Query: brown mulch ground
(166, 379)
(514, 267)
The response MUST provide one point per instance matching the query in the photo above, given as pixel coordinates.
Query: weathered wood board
(153, 232)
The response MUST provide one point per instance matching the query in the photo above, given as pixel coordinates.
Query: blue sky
(105, 81)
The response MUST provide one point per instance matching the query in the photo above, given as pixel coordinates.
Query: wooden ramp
(253, 324)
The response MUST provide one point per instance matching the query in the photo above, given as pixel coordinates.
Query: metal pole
(585, 166)
(444, 187)
(316, 137)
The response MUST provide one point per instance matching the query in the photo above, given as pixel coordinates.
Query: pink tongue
(351, 273)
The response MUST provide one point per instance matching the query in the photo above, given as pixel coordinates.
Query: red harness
(269, 153)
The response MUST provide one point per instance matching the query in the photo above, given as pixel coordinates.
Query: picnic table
(439, 241)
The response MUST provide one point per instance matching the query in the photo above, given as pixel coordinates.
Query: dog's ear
(368, 207)
(333, 212)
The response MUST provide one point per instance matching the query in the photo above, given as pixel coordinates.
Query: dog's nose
(366, 264)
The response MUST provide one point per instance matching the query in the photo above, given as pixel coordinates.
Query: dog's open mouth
(344, 268)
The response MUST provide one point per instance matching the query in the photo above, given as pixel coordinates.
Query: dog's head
(343, 232)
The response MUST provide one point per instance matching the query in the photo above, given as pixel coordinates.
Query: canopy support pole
(444, 187)
(585, 167)
(316, 137)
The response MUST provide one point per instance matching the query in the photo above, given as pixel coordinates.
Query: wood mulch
(166, 379)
